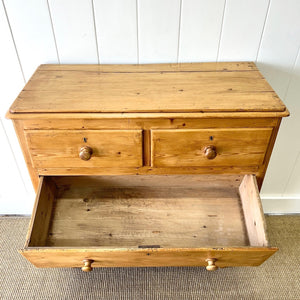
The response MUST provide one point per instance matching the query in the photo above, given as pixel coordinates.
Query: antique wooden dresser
(147, 165)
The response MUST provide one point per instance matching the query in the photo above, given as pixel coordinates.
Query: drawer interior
(135, 211)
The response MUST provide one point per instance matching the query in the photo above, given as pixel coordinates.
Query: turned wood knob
(85, 153)
(87, 265)
(211, 264)
(210, 152)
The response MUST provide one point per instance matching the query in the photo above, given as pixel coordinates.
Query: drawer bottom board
(160, 217)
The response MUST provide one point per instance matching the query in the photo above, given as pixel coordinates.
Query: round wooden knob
(210, 152)
(211, 264)
(85, 153)
(87, 265)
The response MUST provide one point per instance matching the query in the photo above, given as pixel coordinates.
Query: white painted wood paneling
(74, 31)
(11, 78)
(12, 82)
(201, 23)
(153, 31)
(292, 142)
(242, 29)
(31, 26)
(13, 197)
(116, 27)
(19, 159)
(158, 25)
(280, 43)
(276, 58)
(293, 186)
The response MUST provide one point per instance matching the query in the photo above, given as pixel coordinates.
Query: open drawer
(122, 221)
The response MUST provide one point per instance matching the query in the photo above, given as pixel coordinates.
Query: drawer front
(85, 148)
(225, 257)
(209, 147)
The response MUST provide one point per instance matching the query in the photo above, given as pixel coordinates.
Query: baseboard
(281, 205)
(15, 215)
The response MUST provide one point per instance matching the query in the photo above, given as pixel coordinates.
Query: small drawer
(85, 148)
(121, 221)
(224, 147)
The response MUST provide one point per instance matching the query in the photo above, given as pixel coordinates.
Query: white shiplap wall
(33, 32)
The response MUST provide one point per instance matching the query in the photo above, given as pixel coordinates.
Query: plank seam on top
(64, 87)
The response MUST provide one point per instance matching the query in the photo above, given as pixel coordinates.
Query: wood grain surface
(158, 88)
(242, 147)
(60, 148)
(253, 212)
(226, 257)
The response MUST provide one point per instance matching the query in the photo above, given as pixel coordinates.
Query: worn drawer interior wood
(127, 213)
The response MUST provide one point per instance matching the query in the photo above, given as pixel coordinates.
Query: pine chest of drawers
(147, 165)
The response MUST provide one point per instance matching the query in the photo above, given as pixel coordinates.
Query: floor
(278, 278)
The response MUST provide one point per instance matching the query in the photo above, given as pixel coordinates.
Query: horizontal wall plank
(74, 31)
(116, 24)
(201, 23)
(158, 24)
(242, 29)
(31, 26)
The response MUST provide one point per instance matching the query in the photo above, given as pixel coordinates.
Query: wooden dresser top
(161, 88)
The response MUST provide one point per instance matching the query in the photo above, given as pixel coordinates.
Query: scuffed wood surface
(204, 87)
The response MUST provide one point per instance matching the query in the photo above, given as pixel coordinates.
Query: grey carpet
(278, 278)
